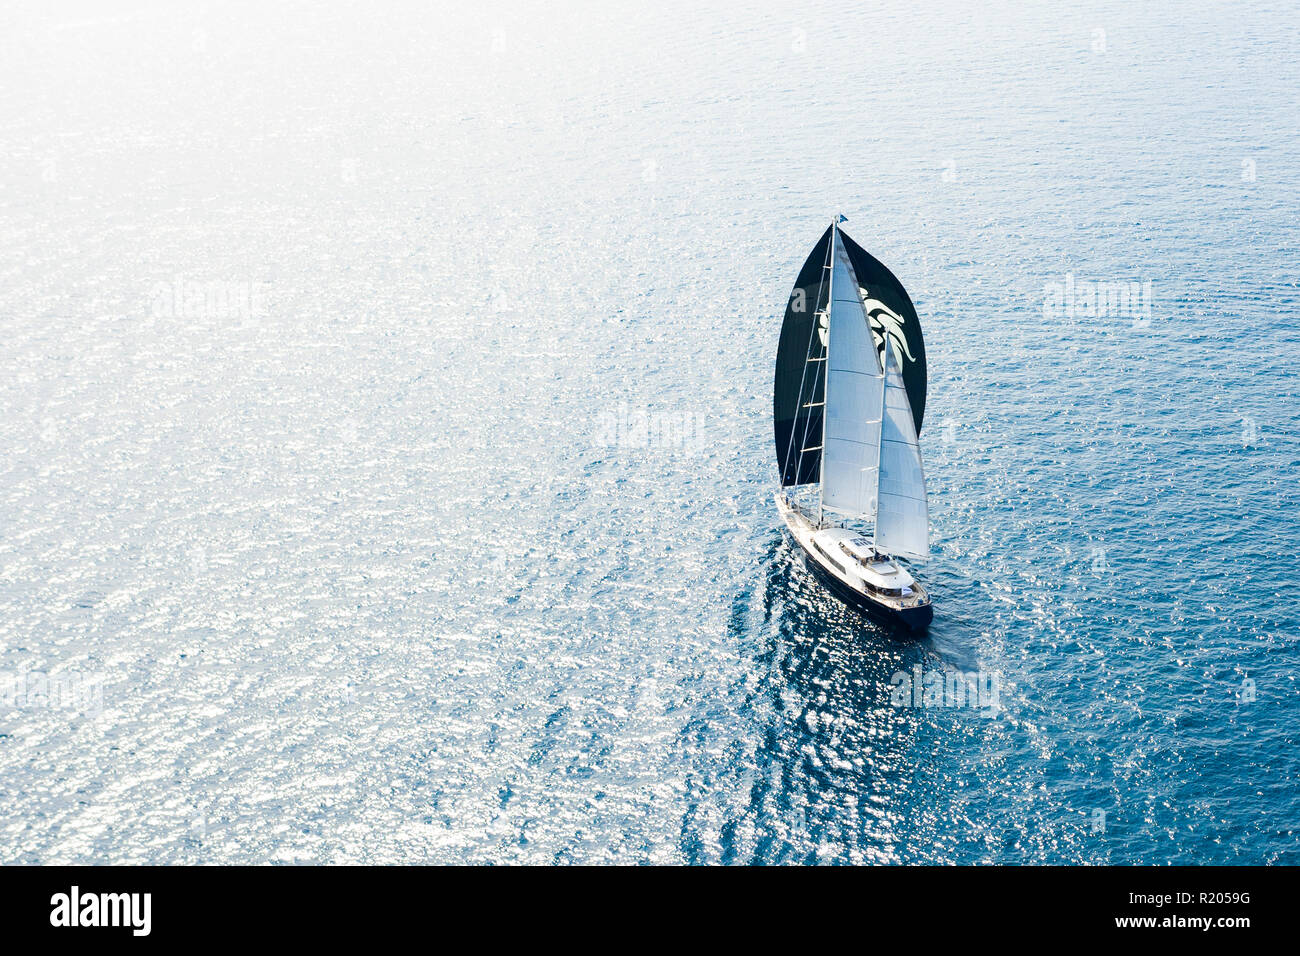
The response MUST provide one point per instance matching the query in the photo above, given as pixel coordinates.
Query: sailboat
(847, 407)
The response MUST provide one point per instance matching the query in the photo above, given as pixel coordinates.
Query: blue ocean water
(385, 401)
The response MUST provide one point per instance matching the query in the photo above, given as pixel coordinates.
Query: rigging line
(830, 295)
(807, 358)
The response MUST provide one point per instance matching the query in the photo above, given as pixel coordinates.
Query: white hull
(868, 581)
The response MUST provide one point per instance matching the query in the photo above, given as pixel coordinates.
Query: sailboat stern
(917, 619)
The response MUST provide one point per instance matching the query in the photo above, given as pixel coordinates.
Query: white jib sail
(903, 522)
(854, 400)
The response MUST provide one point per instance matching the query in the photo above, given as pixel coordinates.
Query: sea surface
(385, 408)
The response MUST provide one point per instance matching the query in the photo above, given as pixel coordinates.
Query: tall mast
(830, 297)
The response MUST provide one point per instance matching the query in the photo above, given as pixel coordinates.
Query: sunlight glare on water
(386, 409)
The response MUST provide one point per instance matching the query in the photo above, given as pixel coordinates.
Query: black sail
(883, 286)
(800, 385)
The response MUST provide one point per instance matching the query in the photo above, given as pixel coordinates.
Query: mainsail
(854, 400)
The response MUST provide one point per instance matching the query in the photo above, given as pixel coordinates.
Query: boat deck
(842, 564)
